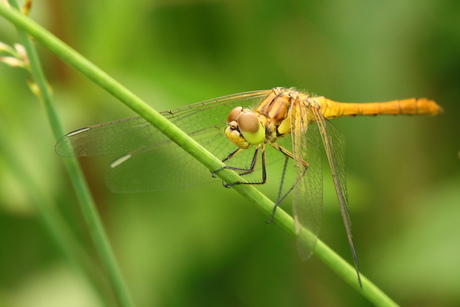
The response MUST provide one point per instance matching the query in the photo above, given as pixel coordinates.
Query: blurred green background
(207, 245)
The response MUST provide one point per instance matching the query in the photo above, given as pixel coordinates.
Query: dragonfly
(248, 131)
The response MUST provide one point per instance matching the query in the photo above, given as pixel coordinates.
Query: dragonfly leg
(230, 155)
(280, 198)
(250, 169)
(287, 153)
(243, 171)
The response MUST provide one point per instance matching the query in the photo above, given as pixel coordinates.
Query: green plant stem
(75, 60)
(86, 202)
(51, 220)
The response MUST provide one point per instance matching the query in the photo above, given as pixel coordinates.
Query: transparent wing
(334, 147)
(308, 191)
(151, 161)
(164, 165)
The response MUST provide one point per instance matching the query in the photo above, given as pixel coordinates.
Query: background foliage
(207, 245)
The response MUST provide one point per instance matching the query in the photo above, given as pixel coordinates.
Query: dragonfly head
(244, 128)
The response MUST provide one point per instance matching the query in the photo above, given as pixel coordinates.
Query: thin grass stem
(85, 199)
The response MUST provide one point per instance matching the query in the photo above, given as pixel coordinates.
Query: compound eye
(251, 128)
(233, 115)
(248, 122)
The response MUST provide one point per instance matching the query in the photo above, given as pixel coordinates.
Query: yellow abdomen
(421, 106)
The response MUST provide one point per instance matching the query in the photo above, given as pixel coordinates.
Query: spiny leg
(283, 174)
(251, 169)
(230, 155)
(243, 170)
(288, 155)
(252, 166)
